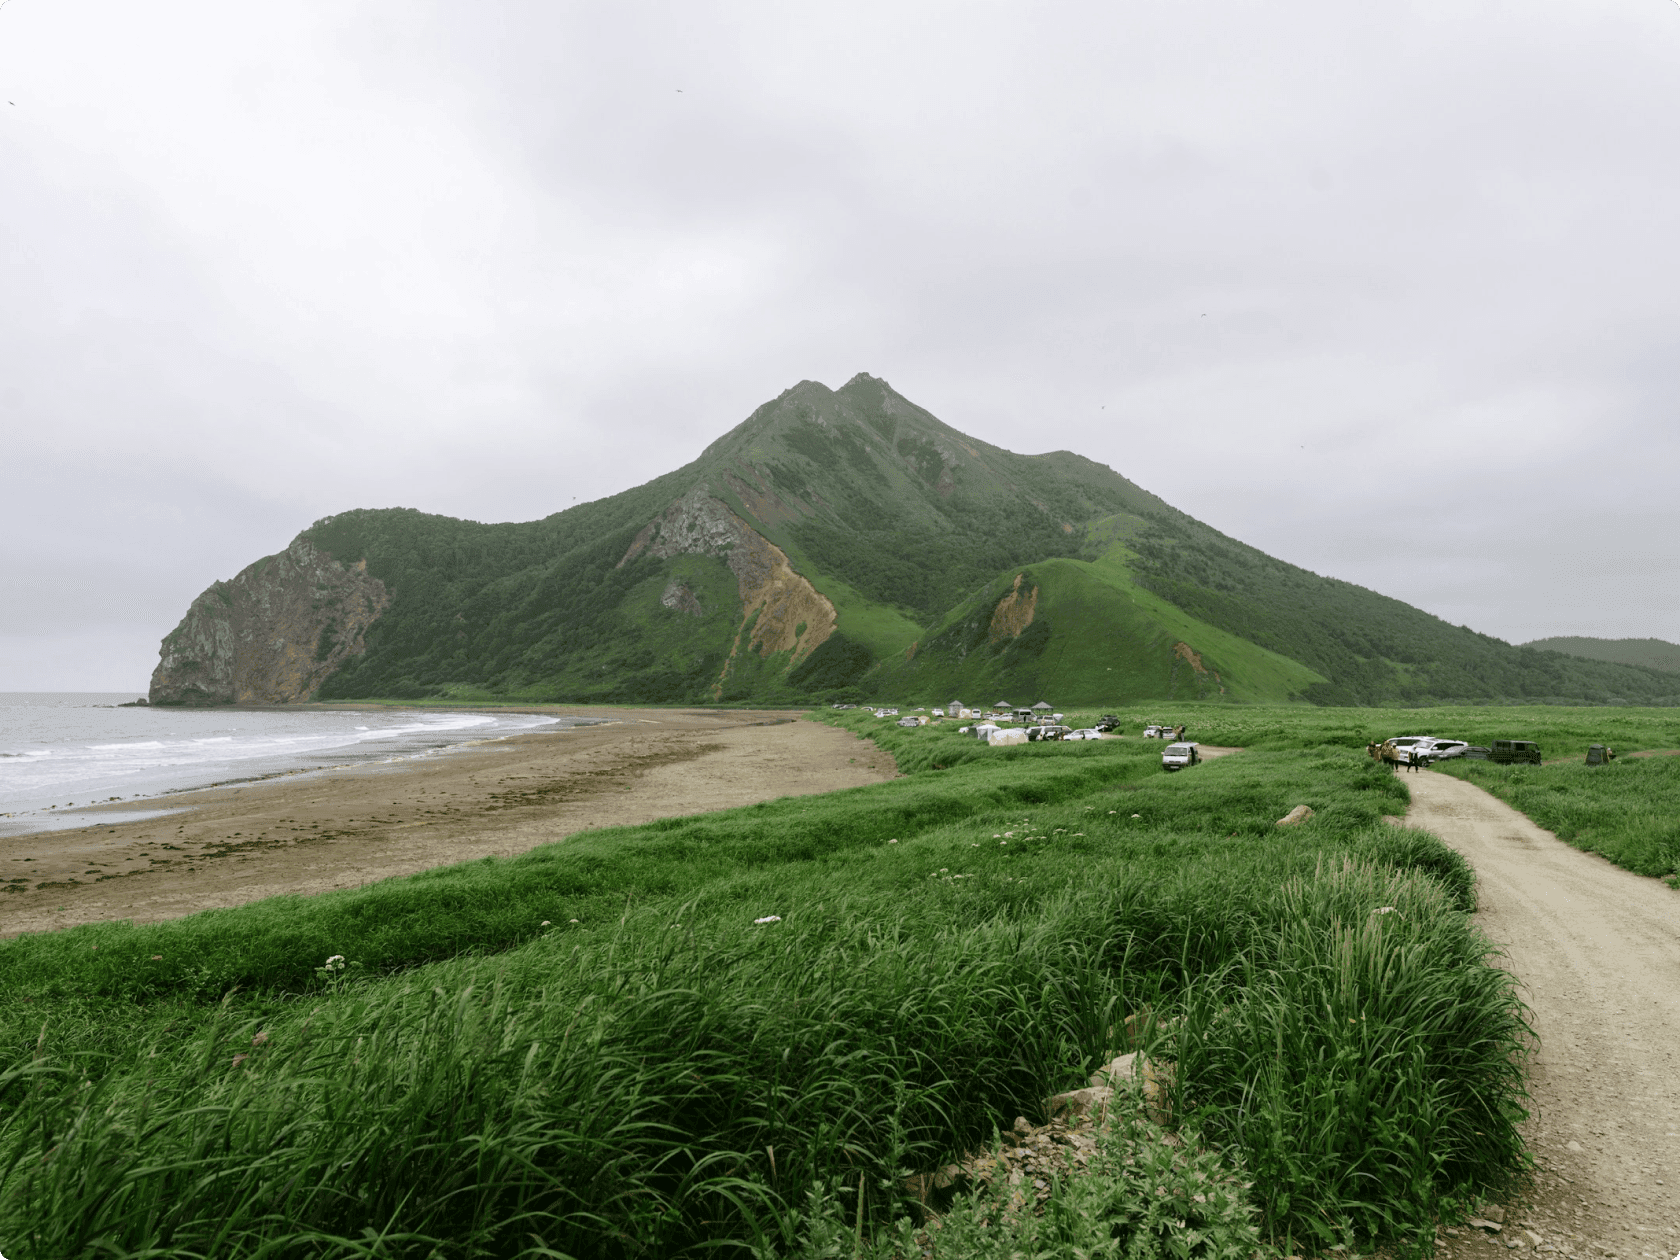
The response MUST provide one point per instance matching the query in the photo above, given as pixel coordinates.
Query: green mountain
(1647, 653)
(837, 543)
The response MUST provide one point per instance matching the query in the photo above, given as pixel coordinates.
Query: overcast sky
(1389, 290)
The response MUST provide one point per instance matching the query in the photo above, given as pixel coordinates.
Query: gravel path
(1597, 950)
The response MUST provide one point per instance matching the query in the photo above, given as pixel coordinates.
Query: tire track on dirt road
(1596, 950)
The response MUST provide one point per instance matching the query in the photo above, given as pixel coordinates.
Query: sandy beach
(355, 824)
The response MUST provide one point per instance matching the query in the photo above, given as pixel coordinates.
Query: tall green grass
(1627, 811)
(668, 1076)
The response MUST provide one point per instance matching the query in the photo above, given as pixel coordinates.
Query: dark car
(1507, 752)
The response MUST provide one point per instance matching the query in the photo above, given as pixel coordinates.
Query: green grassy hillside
(1095, 637)
(1372, 649)
(1648, 653)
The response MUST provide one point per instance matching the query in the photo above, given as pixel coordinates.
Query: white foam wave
(186, 754)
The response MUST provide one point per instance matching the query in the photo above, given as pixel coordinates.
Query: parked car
(1476, 753)
(1089, 732)
(1177, 756)
(1403, 744)
(1108, 722)
(1507, 752)
(1442, 749)
(1037, 733)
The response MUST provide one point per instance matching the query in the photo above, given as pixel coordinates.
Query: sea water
(61, 751)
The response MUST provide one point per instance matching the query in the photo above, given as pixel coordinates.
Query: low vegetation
(700, 1034)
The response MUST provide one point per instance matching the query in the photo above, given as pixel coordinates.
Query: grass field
(669, 1039)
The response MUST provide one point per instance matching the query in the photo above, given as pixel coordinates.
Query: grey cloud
(1383, 291)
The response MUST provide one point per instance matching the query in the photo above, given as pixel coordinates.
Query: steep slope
(272, 634)
(1372, 649)
(1081, 632)
(1647, 653)
(835, 542)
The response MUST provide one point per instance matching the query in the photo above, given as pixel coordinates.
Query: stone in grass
(1093, 1101)
(1299, 814)
(1156, 1075)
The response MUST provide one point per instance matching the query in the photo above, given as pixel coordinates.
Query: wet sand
(355, 824)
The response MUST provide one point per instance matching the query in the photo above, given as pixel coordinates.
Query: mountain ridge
(1650, 653)
(839, 541)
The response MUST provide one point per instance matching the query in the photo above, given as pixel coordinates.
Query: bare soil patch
(1597, 951)
(357, 824)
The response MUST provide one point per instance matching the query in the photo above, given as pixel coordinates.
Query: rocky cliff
(780, 610)
(272, 634)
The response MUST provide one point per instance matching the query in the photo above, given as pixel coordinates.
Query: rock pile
(1031, 1157)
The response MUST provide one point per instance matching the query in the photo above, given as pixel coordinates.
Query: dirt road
(355, 824)
(1597, 950)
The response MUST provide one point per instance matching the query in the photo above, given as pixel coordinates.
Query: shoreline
(314, 830)
(381, 746)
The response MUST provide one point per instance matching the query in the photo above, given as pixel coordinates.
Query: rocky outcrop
(780, 610)
(1014, 613)
(272, 635)
(679, 597)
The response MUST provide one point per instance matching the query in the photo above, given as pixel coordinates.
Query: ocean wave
(191, 749)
